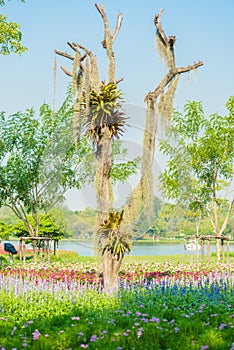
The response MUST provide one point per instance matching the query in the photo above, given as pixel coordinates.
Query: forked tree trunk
(158, 97)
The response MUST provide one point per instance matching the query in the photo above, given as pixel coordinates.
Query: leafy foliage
(121, 170)
(201, 154)
(4, 230)
(10, 35)
(47, 228)
(38, 159)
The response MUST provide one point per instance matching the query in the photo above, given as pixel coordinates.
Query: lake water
(86, 248)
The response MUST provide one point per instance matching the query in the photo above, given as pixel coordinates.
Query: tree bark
(111, 268)
(103, 164)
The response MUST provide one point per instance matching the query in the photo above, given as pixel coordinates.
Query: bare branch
(227, 217)
(190, 67)
(73, 46)
(168, 77)
(87, 52)
(107, 43)
(66, 71)
(117, 27)
(64, 54)
(158, 25)
(119, 80)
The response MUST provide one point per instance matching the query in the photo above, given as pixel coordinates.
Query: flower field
(158, 306)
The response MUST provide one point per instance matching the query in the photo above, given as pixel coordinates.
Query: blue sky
(203, 28)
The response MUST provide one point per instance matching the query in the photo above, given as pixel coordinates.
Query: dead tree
(89, 92)
(159, 107)
(113, 227)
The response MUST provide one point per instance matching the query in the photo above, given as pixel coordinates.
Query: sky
(204, 30)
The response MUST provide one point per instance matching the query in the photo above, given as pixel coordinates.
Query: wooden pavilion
(202, 240)
(45, 247)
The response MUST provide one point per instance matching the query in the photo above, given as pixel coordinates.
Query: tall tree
(98, 104)
(98, 108)
(10, 35)
(199, 171)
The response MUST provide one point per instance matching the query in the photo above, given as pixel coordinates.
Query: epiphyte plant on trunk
(105, 112)
(112, 240)
(98, 110)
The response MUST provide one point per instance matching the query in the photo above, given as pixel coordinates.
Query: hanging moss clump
(87, 87)
(95, 80)
(165, 104)
(164, 52)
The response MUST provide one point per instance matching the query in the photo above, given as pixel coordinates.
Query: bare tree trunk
(111, 268)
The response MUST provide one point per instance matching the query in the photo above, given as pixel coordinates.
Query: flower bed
(158, 306)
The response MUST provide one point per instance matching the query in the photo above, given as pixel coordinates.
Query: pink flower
(36, 334)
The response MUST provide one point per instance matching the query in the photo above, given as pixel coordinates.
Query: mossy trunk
(111, 268)
(104, 163)
(111, 265)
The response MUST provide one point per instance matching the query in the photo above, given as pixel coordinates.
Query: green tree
(4, 230)
(10, 35)
(38, 161)
(47, 228)
(199, 171)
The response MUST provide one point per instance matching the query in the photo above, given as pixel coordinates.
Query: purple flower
(176, 329)
(231, 316)
(155, 319)
(75, 318)
(222, 325)
(204, 347)
(93, 338)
